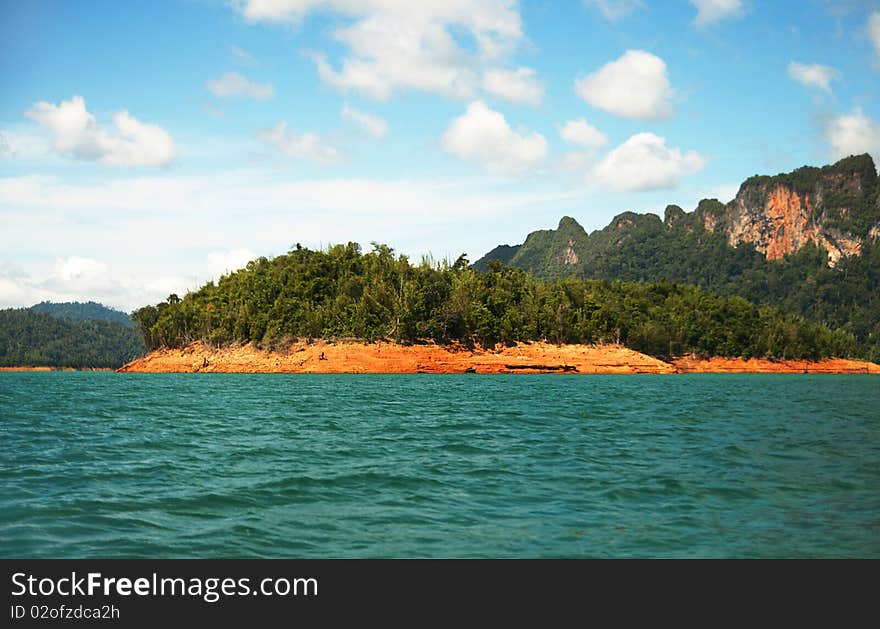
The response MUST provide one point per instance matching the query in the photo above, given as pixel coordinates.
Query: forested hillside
(807, 242)
(343, 293)
(83, 311)
(36, 339)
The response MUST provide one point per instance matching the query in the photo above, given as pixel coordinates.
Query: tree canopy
(345, 293)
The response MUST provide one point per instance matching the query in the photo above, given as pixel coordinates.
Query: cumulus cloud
(483, 136)
(146, 239)
(13, 286)
(633, 86)
(374, 125)
(582, 133)
(77, 135)
(873, 29)
(228, 260)
(852, 134)
(644, 162)
(713, 11)
(813, 75)
(80, 275)
(235, 84)
(515, 86)
(613, 10)
(398, 44)
(309, 146)
(78, 278)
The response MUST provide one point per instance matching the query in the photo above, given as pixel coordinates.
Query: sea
(100, 465)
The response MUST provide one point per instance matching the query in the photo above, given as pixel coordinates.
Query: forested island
(788, 270)
(343, 293)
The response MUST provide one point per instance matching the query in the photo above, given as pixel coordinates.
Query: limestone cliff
(835, 208)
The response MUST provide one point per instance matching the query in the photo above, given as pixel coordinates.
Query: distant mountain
(806, 241)
(83, 311)
(37, 339)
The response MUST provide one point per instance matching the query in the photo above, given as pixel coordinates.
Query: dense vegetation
(342, 292)
(639, 248)
(644, 248)
(83, 311)
(36, 339)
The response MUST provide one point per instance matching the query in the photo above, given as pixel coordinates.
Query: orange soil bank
(355, 357)
(762, 365)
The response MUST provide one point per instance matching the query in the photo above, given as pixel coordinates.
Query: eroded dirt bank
(762, 365)
(325, 357)
(353, 357)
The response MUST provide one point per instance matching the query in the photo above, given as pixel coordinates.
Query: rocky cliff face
(834, 207)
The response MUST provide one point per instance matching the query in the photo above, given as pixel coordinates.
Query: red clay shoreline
(323, 356)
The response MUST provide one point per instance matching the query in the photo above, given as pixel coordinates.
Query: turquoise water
(228, 465)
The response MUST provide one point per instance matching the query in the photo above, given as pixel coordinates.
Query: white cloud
(813, 75)
(873, 29)
(399, 44)
(852, 134)
(77, 135)
(374, 125)
(714, 11)
(243, 56)
(516, 86)
(227, 260)
(235, 84)
(633, 86)
(77, 278)
(644, 162)
(482, 135)
(582, 133)
(13, 287)
(23, 142)
(613, 10)
(150, 228)
(307, 145)
(79, 275)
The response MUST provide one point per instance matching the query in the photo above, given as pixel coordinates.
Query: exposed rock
(835, 208)
(781, 214)
(568, 254)
(783, 224)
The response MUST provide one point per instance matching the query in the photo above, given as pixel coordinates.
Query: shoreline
(323, 356)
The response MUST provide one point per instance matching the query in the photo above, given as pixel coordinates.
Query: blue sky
(148, 147)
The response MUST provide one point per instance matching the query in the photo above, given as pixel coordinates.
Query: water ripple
(234, 465)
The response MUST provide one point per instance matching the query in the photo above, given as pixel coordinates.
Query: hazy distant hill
(807, 241)
(83, 311)
(30, 337)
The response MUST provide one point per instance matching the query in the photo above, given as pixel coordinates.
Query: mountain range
(71, 335)
(806, 241)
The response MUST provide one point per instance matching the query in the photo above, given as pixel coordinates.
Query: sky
(148, 147)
